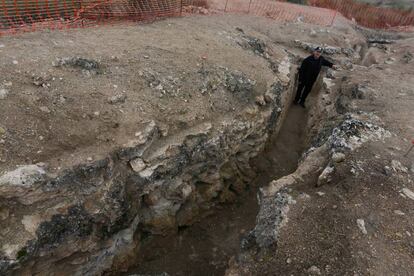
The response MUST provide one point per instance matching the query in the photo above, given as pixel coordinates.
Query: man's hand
(335, 67)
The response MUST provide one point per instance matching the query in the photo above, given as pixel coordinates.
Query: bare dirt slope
(88, 90)
(360, 221)
(71, 98)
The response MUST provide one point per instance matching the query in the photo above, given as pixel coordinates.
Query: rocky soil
(114, 136)
(347, 209)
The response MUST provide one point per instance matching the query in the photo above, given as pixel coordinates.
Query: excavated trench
(206, 247)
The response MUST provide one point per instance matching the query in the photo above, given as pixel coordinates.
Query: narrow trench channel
(206, 247)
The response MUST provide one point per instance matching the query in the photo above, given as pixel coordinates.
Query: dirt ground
(70, 97)
(75, 94)
(206, 247)
(321, 235)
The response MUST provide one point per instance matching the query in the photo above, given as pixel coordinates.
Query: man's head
(317, 52)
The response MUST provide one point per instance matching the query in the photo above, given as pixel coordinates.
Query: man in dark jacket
(308, 73)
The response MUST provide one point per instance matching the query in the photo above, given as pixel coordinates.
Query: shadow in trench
(206, 247)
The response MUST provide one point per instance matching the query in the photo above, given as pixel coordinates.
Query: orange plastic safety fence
(368, 15)
(31, 15)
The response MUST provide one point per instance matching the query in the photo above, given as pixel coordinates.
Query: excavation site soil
(206, 247)
(173, 148)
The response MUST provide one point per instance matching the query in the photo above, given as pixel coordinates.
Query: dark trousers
(306, 87)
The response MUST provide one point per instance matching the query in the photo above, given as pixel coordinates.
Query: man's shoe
(302, 105)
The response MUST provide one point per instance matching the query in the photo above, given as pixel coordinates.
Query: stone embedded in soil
(398, 167)
(22, 176)
(273, 210)
(314, 270)
(326, 176)
(3, 93)
(408, 193)
(44, 109)
(338, 157)
(117, 99)
(137, 164)
(361, 226)
(398, 212)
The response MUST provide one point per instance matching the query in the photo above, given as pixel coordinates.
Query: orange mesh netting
(30, 15)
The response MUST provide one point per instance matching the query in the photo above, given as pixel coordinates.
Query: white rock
(361, 226)
(23, 176)
(314, 270)
(288, 261)
(304, 196)
(3, 93)
(326, 176)
(398, 167)
(10, 250)
(137, 164)
(320, 193)
(408, 193)
(4, 213)
(15, 62)
(31, 223)
(117, 99)
(44, 109)
(186, 191)
(338, 157)
(89, 159)
(398, 212)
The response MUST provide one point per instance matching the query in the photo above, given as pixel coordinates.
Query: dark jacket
(310, 68)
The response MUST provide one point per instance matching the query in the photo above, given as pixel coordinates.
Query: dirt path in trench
(206, 247)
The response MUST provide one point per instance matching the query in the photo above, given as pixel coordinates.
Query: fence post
(250, 3)
(225, 7)
(181, 7)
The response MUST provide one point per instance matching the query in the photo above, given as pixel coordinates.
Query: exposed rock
(343, 104)
(408, 193)
(408, 57)
(255, 44)
(272, 213)
(117, 99)
(359, 91)
(40, 81)
(398, 212)
(79, 62)
(314, 270)
(326, 176)
(260, 100)
(3, 93)
(137, 164)
(24, 176)
(338, 157)
(4, 213)
(96, 208)
(398, 167)
(389, 61)
(222, 78)
(361, 226)
(44, 109)
(329, 50)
